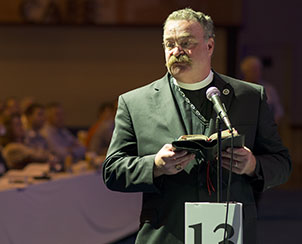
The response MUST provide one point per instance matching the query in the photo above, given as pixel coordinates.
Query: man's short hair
(191, 15)
(32, 108)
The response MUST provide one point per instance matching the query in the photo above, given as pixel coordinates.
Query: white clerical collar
(197, 85)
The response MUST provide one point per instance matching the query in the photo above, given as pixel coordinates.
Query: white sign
(205, 223)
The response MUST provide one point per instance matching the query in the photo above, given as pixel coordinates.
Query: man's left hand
(244, 162)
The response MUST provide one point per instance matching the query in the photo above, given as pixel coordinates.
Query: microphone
(213, 94)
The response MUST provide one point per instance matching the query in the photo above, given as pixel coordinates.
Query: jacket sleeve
(123, 169)
(273, 160)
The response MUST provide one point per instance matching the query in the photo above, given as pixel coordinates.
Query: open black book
(206, 147)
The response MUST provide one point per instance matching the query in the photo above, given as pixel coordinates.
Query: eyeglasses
(184, 43)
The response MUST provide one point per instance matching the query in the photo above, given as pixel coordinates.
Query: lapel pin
(226, 91)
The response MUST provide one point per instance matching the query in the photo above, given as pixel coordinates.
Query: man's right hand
(170, 162)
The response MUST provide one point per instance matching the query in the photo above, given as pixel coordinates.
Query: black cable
(229, 188)
(219, 173)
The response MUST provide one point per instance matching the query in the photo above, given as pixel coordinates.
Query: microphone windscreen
(211, 92)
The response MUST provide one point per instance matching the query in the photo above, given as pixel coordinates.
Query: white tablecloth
(75, 210)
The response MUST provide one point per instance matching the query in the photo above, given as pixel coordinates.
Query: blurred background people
(35, 120)
(25, 102)
(15, 152)
(8, 107)
(60, 140)
(11, 106)
(3, 167)
(2, 128)
(251, 68)
(100, 133)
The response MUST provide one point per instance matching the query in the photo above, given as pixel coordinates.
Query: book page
(193, 137)
(224, 134)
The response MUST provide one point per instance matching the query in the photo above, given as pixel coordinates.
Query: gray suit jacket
(147, 118)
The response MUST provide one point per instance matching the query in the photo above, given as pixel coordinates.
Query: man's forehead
(184, 35)
(182, 28)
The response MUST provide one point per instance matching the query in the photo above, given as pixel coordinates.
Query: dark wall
(83, 66)
(271, 29)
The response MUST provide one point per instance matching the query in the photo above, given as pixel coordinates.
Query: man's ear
(210, 43)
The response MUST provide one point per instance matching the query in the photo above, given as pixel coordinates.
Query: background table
(76, 210)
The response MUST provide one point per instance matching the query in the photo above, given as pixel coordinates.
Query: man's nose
(177, 50)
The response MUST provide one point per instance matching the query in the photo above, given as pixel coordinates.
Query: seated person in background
(25, 102)
(101, 132)
(35, 117)
(251, 69)
(60, 140)
(2, 127)
(11, 106)
(8, 107)
(15, 153)
(3, 167)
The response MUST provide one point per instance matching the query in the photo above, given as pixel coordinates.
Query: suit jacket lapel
(164, 102)
(226, 97)
(226, 90)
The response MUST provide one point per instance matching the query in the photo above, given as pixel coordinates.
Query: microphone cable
(229, 189)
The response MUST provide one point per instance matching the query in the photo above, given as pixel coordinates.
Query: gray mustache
(180, 59)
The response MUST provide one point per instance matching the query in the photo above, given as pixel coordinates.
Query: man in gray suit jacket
(141, 159)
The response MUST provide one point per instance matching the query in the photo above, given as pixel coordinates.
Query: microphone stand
(219, 159)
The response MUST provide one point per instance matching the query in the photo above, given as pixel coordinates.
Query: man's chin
(177, 69)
